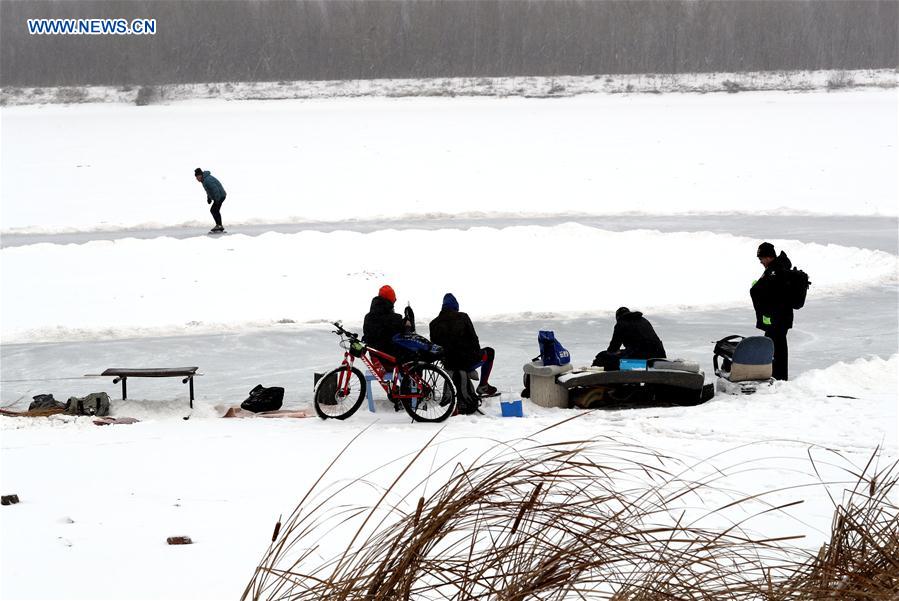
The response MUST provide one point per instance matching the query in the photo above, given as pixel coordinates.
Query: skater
(773, 309)
(382, 323)
(638, 337)
(215, 196)
(454, 331)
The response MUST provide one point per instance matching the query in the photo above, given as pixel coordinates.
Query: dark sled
(663, 382)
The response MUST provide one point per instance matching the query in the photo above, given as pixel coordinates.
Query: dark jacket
(770, 299)
(454, 331)
(381, 325)
(638, 337)
(213, 187)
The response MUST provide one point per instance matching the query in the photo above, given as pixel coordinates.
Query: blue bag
(418, 347)
(551, 352)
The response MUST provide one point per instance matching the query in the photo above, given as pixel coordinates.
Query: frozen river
(877, 233)
(838, 329)
(828, 330)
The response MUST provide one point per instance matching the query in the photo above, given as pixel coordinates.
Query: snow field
(225, 482)
(130, 287)
(101, 167)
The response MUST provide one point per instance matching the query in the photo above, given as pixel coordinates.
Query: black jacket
(639, 339)
(381, 324)
(770, 298)
(454, 331)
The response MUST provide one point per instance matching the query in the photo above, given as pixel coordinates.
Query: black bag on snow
(467, 399)
(264, 399)
(45, 401)
(797, 287)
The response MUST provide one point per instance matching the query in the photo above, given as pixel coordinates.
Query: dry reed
(577, 519)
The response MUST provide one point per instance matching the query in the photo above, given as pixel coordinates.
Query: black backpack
(45, 401)
(264, 399)
(797, 287)
(467, 399)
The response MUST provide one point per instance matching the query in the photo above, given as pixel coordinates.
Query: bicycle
(425, 390)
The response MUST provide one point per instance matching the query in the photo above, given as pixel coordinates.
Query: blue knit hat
(450, 302)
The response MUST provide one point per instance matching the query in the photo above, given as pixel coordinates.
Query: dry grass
(577, 519)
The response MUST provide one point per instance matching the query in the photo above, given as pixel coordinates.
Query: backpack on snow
(263, 399)
(467, 399)
(43, 402)
(797, 287)
(551, 351)
(96, 403)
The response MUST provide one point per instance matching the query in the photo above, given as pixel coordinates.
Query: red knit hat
(388, 293)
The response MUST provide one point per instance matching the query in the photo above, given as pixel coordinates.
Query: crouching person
(454, 331)
(636, 335)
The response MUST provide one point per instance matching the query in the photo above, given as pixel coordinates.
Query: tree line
(273, 40)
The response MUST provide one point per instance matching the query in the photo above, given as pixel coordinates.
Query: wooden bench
(123, 373)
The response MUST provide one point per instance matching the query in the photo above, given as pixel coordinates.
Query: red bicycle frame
(376, 368)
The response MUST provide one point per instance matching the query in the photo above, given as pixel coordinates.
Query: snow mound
(134, 288)
(873, 375)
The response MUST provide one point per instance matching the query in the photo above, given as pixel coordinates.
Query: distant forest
(273, 40)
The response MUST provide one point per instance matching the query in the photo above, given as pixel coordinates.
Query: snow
(131, 287)
(250, 307)
(102, 167)
(527, 87)
(111, 495)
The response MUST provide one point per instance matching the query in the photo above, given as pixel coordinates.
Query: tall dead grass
(576, 519)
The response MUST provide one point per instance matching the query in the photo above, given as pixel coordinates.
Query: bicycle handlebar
(341, 331)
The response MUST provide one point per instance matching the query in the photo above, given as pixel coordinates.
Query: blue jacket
(213, 187)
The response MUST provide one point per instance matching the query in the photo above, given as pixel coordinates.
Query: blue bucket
(511, 408)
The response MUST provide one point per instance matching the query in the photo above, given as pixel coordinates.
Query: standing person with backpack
(215, 196)
(773, 303)
(454, 331)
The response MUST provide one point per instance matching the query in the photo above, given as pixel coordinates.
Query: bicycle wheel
(429, 394)
(339, 404)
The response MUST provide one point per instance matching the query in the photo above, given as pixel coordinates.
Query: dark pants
(608, 360)
(216, 211)
(780, 367)
(486, 364)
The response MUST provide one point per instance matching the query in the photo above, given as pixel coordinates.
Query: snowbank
(528, 87)
(96, 167)
(225, 482)
(129, 287)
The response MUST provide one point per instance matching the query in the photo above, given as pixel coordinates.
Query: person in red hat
(382, 323)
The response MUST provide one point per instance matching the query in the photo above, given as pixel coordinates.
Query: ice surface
(101, 167)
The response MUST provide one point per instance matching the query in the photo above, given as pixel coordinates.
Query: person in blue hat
(453, 330)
